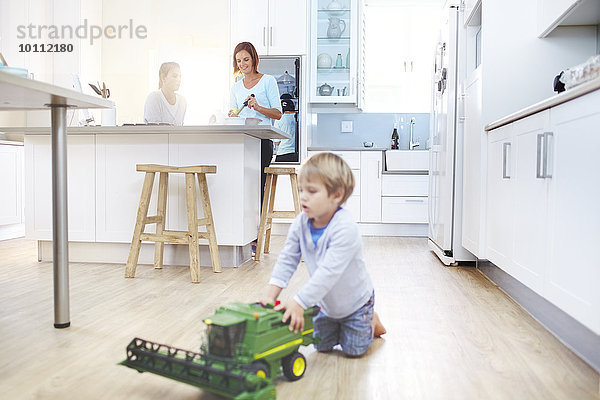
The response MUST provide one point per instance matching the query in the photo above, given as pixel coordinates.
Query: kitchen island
(104, 187)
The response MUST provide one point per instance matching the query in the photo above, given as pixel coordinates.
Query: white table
(16, 94)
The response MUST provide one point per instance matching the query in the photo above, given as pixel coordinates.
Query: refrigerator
(287, 72)
(446, 138)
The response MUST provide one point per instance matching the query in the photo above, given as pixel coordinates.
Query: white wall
(193, 33)
(519, 68)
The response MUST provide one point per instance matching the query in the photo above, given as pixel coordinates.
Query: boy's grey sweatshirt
(339, 282)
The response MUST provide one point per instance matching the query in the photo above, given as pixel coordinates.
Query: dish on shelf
(324, 60)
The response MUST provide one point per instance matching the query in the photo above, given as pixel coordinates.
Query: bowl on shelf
(253, 121)
(235, 121)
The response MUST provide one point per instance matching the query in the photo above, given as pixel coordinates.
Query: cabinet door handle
(547, 162)
(411, 66)
(271, 35)
(414, 200)
(264, 35)
(378, 168)
(505, 154)
(539, 163)
(404, 66)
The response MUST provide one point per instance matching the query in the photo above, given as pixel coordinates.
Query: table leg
(60, 240)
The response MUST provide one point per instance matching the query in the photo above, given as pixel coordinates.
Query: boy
(327, 237)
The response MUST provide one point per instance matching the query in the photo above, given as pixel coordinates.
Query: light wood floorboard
(452, 334)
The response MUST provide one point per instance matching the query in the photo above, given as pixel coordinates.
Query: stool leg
(270, 214)
(210, 227)
(161, 212)
(190, 195)
(140, 224)
(294, 182)
(263, 217)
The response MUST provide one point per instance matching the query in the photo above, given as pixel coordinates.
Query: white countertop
(560, 98)
(258, 131)
(18, 93)
(11, 143)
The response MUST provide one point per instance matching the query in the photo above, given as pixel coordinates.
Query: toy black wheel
(261, 369)
(294, 366)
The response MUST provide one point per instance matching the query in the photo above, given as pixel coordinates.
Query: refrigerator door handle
(505, 155)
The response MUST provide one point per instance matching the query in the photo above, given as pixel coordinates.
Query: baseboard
(12, 231)
(408, 230)
(116, 253)
(577, 337)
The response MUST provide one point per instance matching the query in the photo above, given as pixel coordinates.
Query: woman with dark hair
(262, 94)
(164, 105)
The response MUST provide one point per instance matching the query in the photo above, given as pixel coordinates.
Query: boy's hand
(266, 300)
(294, 312)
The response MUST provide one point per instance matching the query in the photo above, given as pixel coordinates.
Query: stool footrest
(171, 237)
(282, 214)
(203, 221)
(153, 219)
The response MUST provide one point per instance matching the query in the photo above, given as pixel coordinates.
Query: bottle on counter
(395, 138)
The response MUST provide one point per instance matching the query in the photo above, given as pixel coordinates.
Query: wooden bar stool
(267, 213)
(162, 235)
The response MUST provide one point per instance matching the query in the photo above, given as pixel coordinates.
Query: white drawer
(407, 210)
(405, 185)
(351, 157)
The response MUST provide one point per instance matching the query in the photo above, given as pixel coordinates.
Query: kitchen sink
(407, 160)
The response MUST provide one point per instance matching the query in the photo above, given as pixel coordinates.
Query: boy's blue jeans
(354, 332)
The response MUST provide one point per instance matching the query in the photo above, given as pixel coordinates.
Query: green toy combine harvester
(247, 347)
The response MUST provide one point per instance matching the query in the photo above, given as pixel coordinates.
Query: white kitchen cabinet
(119, 185)
(334, 48)
(500, 197)
(405, 185)
(11, 181)
(370, 188)
(530, 192)
(542, 215)
(274, 27)
(474, 169)
(573, 217)
(404, 210)
(400, 78)
(81, 194)
(555, 13)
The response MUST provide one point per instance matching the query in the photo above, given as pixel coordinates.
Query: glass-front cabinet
(334, 44)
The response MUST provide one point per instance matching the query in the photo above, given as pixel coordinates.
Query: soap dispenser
(395, 138)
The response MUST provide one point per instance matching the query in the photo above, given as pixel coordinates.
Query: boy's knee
(351, 355)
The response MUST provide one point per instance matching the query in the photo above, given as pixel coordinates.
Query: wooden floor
(451, 333)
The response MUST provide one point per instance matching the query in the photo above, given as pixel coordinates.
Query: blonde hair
(332, 171)
(164, 70)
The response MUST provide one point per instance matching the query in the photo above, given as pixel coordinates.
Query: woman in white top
(164, 105)
(261, 93)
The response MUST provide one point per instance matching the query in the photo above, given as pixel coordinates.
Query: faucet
(411, 144)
